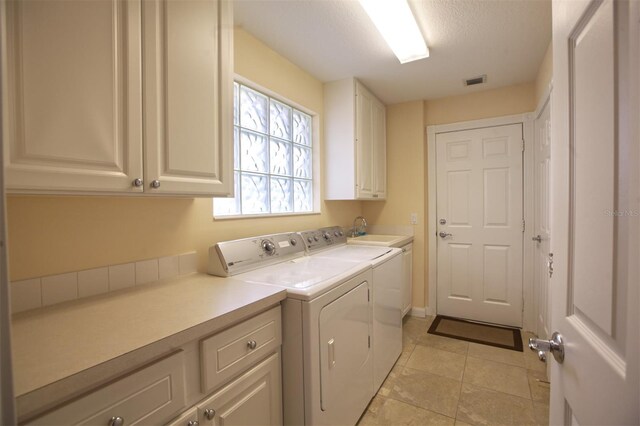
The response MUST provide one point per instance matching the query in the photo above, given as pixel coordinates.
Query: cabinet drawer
(188, 418)
(149, 396)
(233, 350)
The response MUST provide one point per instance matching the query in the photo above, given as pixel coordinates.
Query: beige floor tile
(540, 388)
(461, 423)
(425, 390)
(532, 362)
(493, 353)
(497, 376)
(443, 343)
(442, 363)
(541, 413)
(386, 386)
(484, 407)
(414, 327)
(407, 349)
(385, 411)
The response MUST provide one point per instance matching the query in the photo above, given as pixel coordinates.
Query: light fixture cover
(398, 27)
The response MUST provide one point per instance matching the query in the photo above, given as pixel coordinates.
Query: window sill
(264, 216)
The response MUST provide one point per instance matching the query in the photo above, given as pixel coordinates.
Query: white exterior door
(594, 171)
(541, 227)
(479, 213)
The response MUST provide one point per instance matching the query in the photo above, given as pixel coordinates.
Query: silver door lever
(555, 346)
(445, 234)
(537, 238)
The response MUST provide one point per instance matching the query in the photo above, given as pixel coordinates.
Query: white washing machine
(386, 262)
(327, 324)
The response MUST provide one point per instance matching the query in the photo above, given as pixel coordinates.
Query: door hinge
(523, 225)
(369, 341)
(522, 145)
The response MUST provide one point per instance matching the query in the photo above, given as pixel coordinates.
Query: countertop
(61, 349)
(381, 240)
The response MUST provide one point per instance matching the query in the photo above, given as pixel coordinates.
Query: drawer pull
(251, 344)
(116, 421)
(193, 423)
(209, 413)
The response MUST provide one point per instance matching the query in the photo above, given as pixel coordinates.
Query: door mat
(485, 334)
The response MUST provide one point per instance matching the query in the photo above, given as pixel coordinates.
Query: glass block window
(273, 157)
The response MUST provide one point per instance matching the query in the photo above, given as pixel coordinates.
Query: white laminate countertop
(58, 350)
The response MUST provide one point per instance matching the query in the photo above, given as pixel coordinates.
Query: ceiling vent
(475, 80)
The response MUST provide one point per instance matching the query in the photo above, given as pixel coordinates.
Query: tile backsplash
(45, 291)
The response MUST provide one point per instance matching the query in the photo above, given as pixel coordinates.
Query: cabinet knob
(155, 183)
(193, 423)
(209, 413)
(116, 421)
(137, 182)
(251, 344)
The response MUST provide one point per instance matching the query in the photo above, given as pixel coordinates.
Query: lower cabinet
(407, 288)
(232, 377)
(252, 399)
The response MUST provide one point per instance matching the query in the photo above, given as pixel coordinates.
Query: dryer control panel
(319, 239)
(229, 258)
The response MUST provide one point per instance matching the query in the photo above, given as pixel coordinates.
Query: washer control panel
(318, 239)
(229, 258)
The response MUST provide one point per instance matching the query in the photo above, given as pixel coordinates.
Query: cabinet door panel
(255, 398)
(379, 150)
(364, 143)
(73, 99)
(188, 96)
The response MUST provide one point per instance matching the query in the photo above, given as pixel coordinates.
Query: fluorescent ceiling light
(398, 26)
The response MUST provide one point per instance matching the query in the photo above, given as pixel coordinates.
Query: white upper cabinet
(188, 87)
(74, 117)
(355, 139)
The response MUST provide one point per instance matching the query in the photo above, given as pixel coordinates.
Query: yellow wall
(544, 74)
(508, 100)
(406, 191)
(52, 234)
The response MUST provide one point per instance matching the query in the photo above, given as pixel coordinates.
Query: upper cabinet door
(364, 143)
(188, 86)
(72, 99)
(379, 150)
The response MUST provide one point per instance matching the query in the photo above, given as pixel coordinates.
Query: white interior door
(479, 211)
(594, 158)
(541, 227)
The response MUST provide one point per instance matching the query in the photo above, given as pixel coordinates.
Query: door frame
(526, 119)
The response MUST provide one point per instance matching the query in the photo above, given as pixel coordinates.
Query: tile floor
(444, 381)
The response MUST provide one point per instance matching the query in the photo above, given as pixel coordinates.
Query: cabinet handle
(116, 421)
(155, 183)
(137, 182)
(251, 344)
(193, 423)
(209, 413)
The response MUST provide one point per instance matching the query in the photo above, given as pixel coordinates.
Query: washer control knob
(315, 237)
(326, 236)
(336, 233)
(310, 239)
(293, 241)
(268, 247)
(341, 233)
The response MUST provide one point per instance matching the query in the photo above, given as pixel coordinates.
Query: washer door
(346, 358)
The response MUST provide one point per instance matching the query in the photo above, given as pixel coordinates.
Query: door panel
(364, 142)
(542, 146)
(345, 355)
(594, 288)
(479, 197)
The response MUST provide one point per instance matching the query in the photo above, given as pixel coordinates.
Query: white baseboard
(431, 311)
(418, 312)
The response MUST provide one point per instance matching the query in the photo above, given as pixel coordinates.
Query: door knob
(445, 234)
(555, 346)
(537, 238)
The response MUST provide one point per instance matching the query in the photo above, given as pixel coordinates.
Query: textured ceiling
(334, 39)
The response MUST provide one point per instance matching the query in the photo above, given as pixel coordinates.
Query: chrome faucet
(362, 229)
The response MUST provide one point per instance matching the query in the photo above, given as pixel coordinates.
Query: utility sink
(381, 240)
